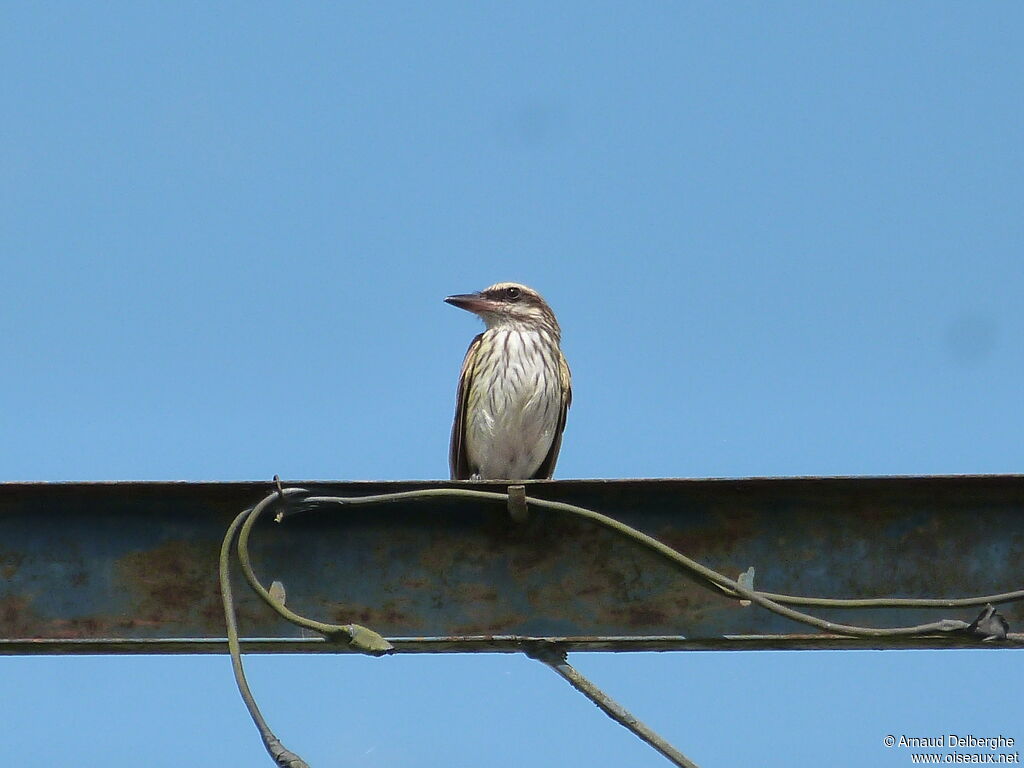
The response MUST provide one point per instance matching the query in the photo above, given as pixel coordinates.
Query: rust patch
(385, 618)
(642, 615)
(171, 584)
(10, 562)
(495, 625)
(89, 626)
(720, 536)
(17, 619)
(477, 593)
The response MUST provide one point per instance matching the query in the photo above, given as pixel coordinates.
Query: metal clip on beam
(517, 503)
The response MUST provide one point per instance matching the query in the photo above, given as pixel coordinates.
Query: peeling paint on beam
(131, 567)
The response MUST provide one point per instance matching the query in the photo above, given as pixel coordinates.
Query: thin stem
(557, 662)
(275, 749)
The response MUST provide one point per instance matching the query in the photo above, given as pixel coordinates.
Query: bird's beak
(472, 302)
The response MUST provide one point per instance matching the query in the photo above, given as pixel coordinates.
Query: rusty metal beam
(132, 567)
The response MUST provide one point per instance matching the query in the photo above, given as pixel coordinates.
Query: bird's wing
(457, 459)
(547, 467)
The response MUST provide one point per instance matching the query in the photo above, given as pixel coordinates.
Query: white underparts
(514, 404)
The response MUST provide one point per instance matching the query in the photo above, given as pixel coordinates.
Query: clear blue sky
(782, 239)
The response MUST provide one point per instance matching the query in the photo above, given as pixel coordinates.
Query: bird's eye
(513, 293)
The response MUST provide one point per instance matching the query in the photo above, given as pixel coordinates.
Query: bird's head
(508, 304)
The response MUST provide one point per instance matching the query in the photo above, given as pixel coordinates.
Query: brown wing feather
(547, 467)
(458, 462)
